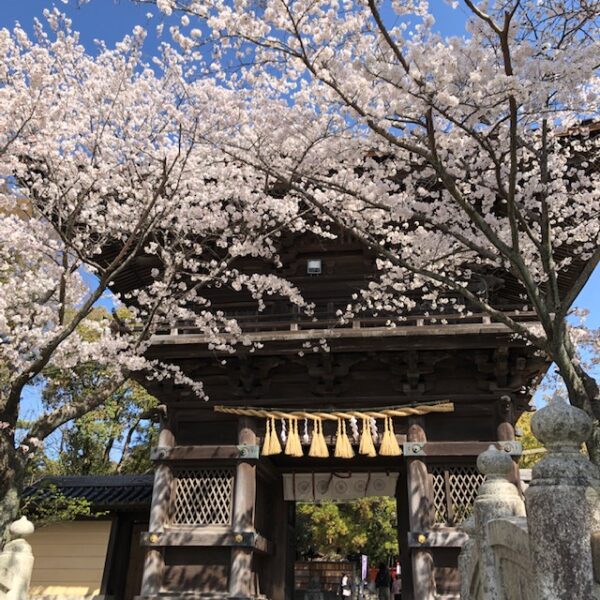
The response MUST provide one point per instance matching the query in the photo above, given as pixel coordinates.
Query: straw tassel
(293, 447)
(343, 447)
(318, 446)
(275, 447)
(389, 443)
(321, 441)
(367, 446)
(267, 441)
(297, 443)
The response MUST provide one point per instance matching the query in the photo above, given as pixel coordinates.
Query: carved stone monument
(563, 505)
(550, 554)
(498, 498)
(16, 562)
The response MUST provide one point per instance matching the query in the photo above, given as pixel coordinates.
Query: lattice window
(454, 491)
(202, 497)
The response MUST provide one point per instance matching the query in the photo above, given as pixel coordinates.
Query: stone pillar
(563, 505)
(241, 584)
(467, 559)
(154, 562)
(420, 514)
(497, 498)
(16, 562)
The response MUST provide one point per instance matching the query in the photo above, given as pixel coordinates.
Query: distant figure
(383, 582)
(397, 588)
(345, 587)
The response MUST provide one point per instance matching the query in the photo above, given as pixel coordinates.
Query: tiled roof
(105, 492)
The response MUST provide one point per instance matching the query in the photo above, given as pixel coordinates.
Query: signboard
(364, 565)
(311, 487)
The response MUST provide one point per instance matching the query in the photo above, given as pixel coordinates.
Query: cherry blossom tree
(455, 159)
(105, 172)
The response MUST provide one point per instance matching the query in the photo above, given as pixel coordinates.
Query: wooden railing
(296, 322)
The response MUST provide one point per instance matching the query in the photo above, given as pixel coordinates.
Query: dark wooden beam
(248, 540)
(459, 448)
(437, 539)
(245, 452)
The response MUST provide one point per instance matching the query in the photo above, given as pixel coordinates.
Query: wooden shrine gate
(220, 525)
(221, 522)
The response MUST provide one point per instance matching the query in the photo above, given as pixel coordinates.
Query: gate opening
(336, 539)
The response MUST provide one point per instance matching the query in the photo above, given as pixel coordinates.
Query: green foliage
(366, 526)
(48, 505)
(110, 439)
(529, 442)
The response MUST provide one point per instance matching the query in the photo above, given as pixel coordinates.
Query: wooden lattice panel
(454, 491)
(202, 497)
(439, 495)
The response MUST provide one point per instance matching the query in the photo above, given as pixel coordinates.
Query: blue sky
(110, 20)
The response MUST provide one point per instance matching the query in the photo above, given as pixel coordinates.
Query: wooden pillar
(241, 578)
(291, 550)
(154, 563)
(505, 432)
(403, 529)
(278, 561)
(420, 514)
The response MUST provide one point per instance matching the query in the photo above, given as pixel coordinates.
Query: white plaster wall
(69, 560)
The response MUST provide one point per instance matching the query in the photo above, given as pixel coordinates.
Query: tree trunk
(591, 406)
(12, 473)
(583, 393)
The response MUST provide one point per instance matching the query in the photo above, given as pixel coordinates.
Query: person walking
(397, 588)
(345, 587)
(383, 582)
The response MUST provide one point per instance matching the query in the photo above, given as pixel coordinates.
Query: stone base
(70, 597)
(185, 596)
(198, 596)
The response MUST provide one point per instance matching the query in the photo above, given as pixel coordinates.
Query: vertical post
(505, 432)
(563, 505)
(154, 563)
(403, 530)
(420, 513)
(291, 550)
(241, 575)
(280, 557)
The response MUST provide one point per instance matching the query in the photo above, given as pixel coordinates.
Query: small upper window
(314, 266)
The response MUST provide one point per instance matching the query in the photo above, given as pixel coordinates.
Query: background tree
(46, 504)
(105, 440)
(113, 439)
(457, 160)
(100, 157)
(588, 349)
(366, 526)
(533, 451)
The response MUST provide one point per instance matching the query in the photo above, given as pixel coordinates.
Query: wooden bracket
(227, 538)
(418, 449)
(437, 539)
